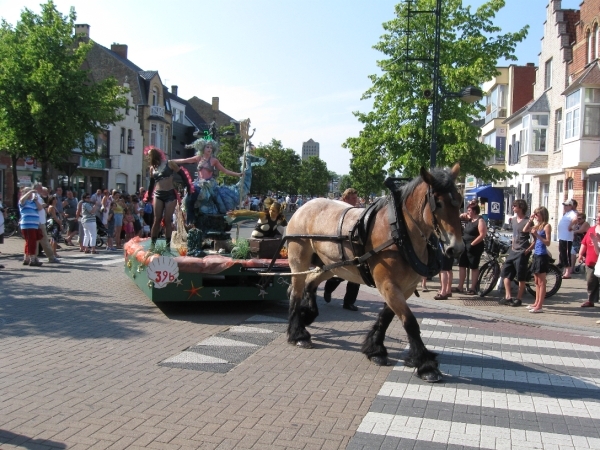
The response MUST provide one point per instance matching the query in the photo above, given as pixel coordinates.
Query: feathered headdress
(199, 145)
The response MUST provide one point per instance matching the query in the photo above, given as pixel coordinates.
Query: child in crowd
(128, 224)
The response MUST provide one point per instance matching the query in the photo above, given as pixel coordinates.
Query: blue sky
(297, 69)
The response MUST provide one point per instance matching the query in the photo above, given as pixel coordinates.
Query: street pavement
(88, 362)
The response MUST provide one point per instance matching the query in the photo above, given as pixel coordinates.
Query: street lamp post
(470, 94)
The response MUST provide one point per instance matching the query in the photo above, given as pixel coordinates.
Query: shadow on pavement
(70, 311)
(8, 437)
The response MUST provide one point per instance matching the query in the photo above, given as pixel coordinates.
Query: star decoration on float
(178, 281)
(216, 293)
(262, 293)
(193, 291)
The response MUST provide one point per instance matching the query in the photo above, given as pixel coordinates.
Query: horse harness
(361, 230)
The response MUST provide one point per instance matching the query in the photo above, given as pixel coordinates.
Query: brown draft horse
(393, 275)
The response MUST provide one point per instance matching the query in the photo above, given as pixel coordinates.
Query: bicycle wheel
(11, 228)
(553, 281)
(488, 277)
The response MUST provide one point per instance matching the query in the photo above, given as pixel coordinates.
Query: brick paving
(80, 348)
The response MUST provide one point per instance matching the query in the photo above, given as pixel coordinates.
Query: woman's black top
(471, 231)
(162, 172)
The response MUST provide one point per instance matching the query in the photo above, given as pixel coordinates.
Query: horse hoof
(304, 344)
(379, 360)
(432, 377)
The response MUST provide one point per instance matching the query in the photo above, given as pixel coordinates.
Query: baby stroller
(101, 233)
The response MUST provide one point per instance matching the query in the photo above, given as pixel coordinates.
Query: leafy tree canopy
(48, 103)
(314, 177)
(396, 133)
(232, 149)
(281, 171)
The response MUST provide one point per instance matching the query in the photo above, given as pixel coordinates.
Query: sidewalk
(562, 310)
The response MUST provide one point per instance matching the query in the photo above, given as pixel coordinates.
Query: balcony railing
(157, 111)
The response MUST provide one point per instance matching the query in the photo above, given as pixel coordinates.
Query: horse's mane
(443, 183)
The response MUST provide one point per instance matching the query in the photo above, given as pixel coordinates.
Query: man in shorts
(518, 258)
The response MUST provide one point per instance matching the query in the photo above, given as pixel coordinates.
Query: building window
(557, 129)
(596, 40)
(548, 74)
(524, 134)
(591, 201)
(570, 188)
(545, 194)
(122, 141)
(177, 115)
(154, 97)
(127, 106)
(589, 48)
(153, 135)
(495, 103)
(572, 119)
(130, 142)
(539, 126)
(591, 116)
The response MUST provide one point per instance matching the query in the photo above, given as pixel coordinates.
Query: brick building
(582, 102)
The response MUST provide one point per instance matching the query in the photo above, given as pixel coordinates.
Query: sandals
(441, 297)
(457, 290)
(94, 252)
(470, 292)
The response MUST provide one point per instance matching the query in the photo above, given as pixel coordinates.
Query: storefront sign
(24, 180)
(87, 163)
(470, 182)
(30, 163)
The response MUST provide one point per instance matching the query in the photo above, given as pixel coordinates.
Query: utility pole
(435, 105)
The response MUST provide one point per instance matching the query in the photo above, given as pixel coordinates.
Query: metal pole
(437, 98)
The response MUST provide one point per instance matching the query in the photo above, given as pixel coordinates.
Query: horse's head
(444, 207)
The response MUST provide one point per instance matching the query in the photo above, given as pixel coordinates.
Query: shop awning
(494, 198)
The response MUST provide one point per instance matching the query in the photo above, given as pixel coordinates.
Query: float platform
(173, 278)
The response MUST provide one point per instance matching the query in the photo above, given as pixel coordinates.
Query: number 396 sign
(162, 271)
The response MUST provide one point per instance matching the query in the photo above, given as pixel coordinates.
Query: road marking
(224, 342)
(194, 358)
(486, 404)
(467, 434)
(523, 342)
(531, 358)
(517, 376)
(487, 399)
(222, 352)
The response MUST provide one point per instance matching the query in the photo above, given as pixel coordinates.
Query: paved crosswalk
(224, 351)
(102, 258)
(499, 392)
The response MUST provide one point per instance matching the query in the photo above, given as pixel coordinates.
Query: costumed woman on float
(208, 196)
(165, 195)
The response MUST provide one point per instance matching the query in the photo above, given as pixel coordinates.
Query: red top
(587, 248)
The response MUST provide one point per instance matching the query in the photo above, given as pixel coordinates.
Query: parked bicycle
(11, 223)
(496, 249)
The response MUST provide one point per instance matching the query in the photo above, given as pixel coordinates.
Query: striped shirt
(30, 219)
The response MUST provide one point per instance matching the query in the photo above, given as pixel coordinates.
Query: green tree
(314, 177)
(396, 133)
(232, 148)
(49, 105)
(280, 173)
(345, 183)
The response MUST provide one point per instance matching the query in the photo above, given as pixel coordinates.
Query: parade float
(204, 263)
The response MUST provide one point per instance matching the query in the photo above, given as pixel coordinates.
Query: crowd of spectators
(45, 216)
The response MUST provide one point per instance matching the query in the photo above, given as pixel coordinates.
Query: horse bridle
(430, 199)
